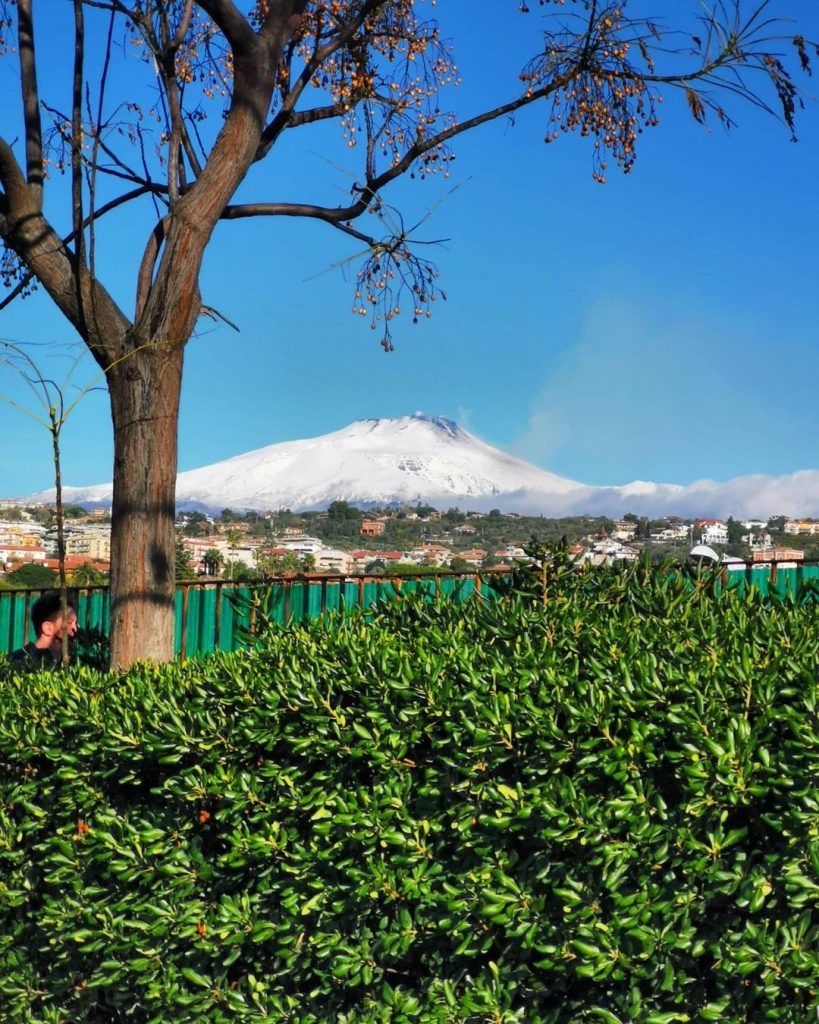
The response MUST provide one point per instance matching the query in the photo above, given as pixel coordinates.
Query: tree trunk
(144, 392)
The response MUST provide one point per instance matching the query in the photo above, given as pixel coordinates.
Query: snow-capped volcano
(430, 459)
(370, 462)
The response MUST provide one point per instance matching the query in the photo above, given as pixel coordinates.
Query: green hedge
(604, 809)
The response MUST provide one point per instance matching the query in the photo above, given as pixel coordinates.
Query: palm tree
(212, 560)
(233, 537)
(86, 575)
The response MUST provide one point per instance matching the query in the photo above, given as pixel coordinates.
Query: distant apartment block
(805, 526)
(21, 533)
(299, 543)
(93, 546)
(198, 546)
(372, 528)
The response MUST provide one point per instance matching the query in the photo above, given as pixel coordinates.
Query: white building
(429, 554)
(19, 553)
(510, 552)
(714, 532)
(299, 543)
(605, 552)
(334, 560)
(758, 539)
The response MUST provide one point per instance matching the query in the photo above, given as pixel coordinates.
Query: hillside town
(343, 540)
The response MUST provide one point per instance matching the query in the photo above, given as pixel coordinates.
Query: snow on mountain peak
(416, 458)
(430, 459)
(417, 422)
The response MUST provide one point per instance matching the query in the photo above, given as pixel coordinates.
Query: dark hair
(47, 608)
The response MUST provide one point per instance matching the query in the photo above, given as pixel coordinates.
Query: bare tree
(379, 69)
(52, 414)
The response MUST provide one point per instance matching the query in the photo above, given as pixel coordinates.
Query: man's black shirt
(32, 658)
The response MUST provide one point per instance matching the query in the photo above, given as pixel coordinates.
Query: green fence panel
(222, 616)
(333, 599)
(297, 608)
(238, 617)
(314, 600)
(15, 610)
(6, 628)
(427, 587)
(191, 627)
(455, 588)
(213, 622)
(786, 583)
(178, 609)
(761, 579)
(229, 618)
(280, 603)
(206, 623)
(93, 609)
(348, 596)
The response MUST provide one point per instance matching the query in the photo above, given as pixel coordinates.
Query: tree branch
(88, 222)
(283, 117)
(31, 99)
(300, 117)
(374, 185)
(166, 67)
(179, 135)
(181, 28)
(147, 265)
(15, 189)
(92, 177)
(323, 213)
(231, 22)
(281, 21)
(77, 133)
(27, 232)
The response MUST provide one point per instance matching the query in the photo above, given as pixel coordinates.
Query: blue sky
(664, 326)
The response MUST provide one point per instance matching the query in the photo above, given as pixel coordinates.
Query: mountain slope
(430, 459)
(370, 462)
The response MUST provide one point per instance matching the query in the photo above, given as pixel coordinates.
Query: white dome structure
(702, 556)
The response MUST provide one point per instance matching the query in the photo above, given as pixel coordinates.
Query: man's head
(47, 619)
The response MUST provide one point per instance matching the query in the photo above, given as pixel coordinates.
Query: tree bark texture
(144, 392)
